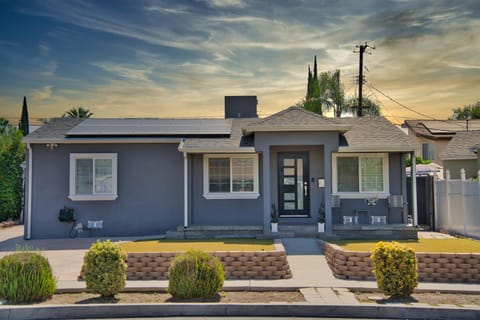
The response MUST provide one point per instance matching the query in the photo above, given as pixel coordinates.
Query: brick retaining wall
(432, 267)
(238, 264)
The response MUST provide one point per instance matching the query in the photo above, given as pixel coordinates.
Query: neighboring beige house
(433, 136)
(462, 152)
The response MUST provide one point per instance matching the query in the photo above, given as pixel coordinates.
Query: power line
(376, 97)
(400, 104)
(410, 109)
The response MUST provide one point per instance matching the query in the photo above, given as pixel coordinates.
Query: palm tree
(371, 108)
(79, 112)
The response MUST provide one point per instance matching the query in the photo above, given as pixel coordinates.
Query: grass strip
(208, 245)
(455, 245)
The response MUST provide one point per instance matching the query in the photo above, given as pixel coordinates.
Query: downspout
(185, 190)
(29, 199)
(414, 188)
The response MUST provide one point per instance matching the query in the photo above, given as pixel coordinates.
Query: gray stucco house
(126, 177)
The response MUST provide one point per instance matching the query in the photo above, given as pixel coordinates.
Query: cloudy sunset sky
(148, 58)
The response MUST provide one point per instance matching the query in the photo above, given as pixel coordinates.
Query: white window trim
(361, 195)
(93, 197)
(230, 195)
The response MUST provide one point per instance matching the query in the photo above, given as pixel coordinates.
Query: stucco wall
(217, 212)
(150, 190)
(439, 145)
(320, 143)
(396, 181)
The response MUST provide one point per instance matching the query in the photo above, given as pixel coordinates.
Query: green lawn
(204, 245)
(421, 245)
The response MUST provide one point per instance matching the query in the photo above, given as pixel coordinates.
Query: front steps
(215, 232)
(218, 232)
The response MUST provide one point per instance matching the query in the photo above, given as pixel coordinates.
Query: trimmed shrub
(395, 269)
(195, 274)
(105, 269)
(26, 277)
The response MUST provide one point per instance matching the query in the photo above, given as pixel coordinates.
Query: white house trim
(29, 199)
(230, 195)
(185, 189)
(94, 196)
(361, 195)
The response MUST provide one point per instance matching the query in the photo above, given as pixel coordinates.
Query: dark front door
(293, 186)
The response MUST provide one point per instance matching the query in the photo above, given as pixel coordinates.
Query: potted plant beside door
(274, 218)
(321, 218)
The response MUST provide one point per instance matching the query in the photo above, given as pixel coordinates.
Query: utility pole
(362, 49)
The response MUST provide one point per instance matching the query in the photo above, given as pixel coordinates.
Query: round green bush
(26, 277)
(395, 268)
(195, 274)
(105, 269)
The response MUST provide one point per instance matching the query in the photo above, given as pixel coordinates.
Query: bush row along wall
(432, 267)
(270, 265)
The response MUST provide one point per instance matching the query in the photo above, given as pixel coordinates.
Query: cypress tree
(24, 125)
(309, 84)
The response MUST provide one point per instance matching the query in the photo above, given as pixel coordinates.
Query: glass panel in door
(293, 186)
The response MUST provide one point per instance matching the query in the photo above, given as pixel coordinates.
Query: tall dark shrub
(12, 155)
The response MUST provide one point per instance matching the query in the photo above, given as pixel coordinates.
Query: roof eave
(377, 149)
(323, 128)
(101, 140)
(217, 150)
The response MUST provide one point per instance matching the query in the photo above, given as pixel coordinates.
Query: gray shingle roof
(234, 142)
(367, 134)
(374, 134)
(441, 129)
(294, 119)
(462, 145)
(54, 130)
(138, 127)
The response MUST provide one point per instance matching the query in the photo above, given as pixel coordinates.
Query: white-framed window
(230, 176)
(359, 175)
(93, 176)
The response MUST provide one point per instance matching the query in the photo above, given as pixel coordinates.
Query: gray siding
(150, 190)
(221, 212)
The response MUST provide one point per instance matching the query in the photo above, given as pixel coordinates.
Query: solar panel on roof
(127, 127)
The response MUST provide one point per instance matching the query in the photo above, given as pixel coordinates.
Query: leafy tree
(331, 92)
(324, 91)
(471, 111)
(370, 107)
(3, 125)
(79, 112)
(24, 125)
(418, 160)
(12, 155)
